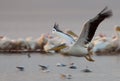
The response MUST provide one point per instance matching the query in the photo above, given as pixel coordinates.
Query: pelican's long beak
(59, 47)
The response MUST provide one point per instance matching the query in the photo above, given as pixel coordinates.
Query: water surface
(105, 68)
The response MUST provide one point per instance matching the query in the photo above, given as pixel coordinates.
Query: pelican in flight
(82, 47)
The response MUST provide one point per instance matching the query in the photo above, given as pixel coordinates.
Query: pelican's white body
(101, 44)
(75, 51)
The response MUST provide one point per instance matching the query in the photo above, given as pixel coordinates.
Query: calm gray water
(105, 68)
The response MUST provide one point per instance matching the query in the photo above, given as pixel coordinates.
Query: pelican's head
(56, 29)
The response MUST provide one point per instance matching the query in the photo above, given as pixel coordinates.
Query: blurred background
(25, 18)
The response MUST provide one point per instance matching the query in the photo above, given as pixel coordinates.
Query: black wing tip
(106, 13)
(56, 26)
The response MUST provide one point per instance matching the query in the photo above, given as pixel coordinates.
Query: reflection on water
(105, 68)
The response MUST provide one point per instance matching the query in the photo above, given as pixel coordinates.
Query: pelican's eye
(54, 30)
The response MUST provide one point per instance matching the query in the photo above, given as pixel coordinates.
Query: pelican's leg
(89, 58)
(89, 55)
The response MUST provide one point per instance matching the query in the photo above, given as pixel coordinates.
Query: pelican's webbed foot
(89, 58)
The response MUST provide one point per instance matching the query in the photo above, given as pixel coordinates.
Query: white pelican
(21, 44)
(42, 41)
(79, 48)
(5, 44)
(101, 44)
(106, 45)
(32, 43)
(51, 42)
(116, 41)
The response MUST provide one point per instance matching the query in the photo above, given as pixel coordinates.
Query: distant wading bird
(80, 48)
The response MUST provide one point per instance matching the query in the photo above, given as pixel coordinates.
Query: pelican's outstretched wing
(90, 27)
(61, 34)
